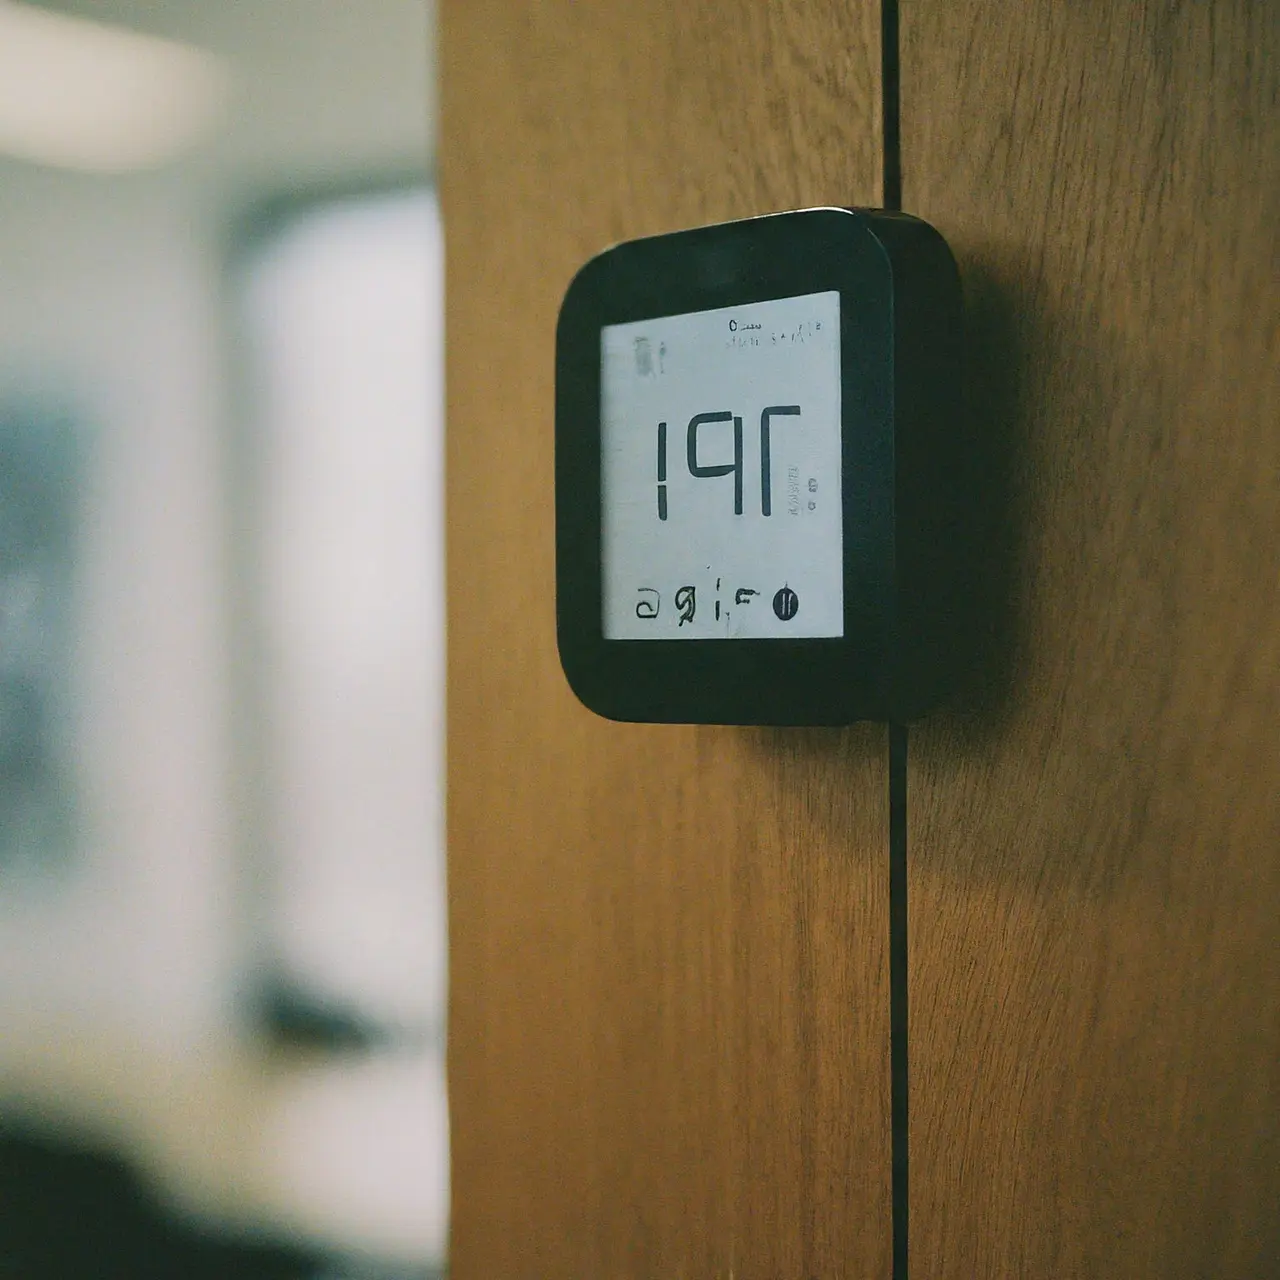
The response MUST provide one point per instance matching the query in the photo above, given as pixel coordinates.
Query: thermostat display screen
(721, 497)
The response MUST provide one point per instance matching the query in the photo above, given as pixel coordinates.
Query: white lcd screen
(720, 474)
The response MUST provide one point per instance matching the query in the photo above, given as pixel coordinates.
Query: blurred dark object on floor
(68, 1213)
(290, 1016)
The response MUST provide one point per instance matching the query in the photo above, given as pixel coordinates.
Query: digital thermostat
(757, 516)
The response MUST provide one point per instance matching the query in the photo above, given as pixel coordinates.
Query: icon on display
(649, 604)
(744, 595)
(644, 358)
(786, 604)
(687, 603)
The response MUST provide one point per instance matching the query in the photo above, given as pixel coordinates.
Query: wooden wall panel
(668, 1035)
(1095, 848)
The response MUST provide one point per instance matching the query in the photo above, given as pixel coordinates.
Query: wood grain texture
(1095, 849)
(668, 1036)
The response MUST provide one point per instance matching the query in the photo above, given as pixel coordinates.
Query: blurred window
(344, 306)
(344, 318)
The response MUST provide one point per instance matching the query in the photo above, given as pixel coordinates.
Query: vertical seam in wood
(891, 196)
(900, 1186)
(891, 158)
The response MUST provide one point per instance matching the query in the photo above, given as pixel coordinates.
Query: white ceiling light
(79, 95)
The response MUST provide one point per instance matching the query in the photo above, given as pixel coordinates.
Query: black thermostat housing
(905, 528)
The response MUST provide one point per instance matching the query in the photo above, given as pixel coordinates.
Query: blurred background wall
(194, 970)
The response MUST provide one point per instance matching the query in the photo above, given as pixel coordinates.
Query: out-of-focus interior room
(222, 934)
